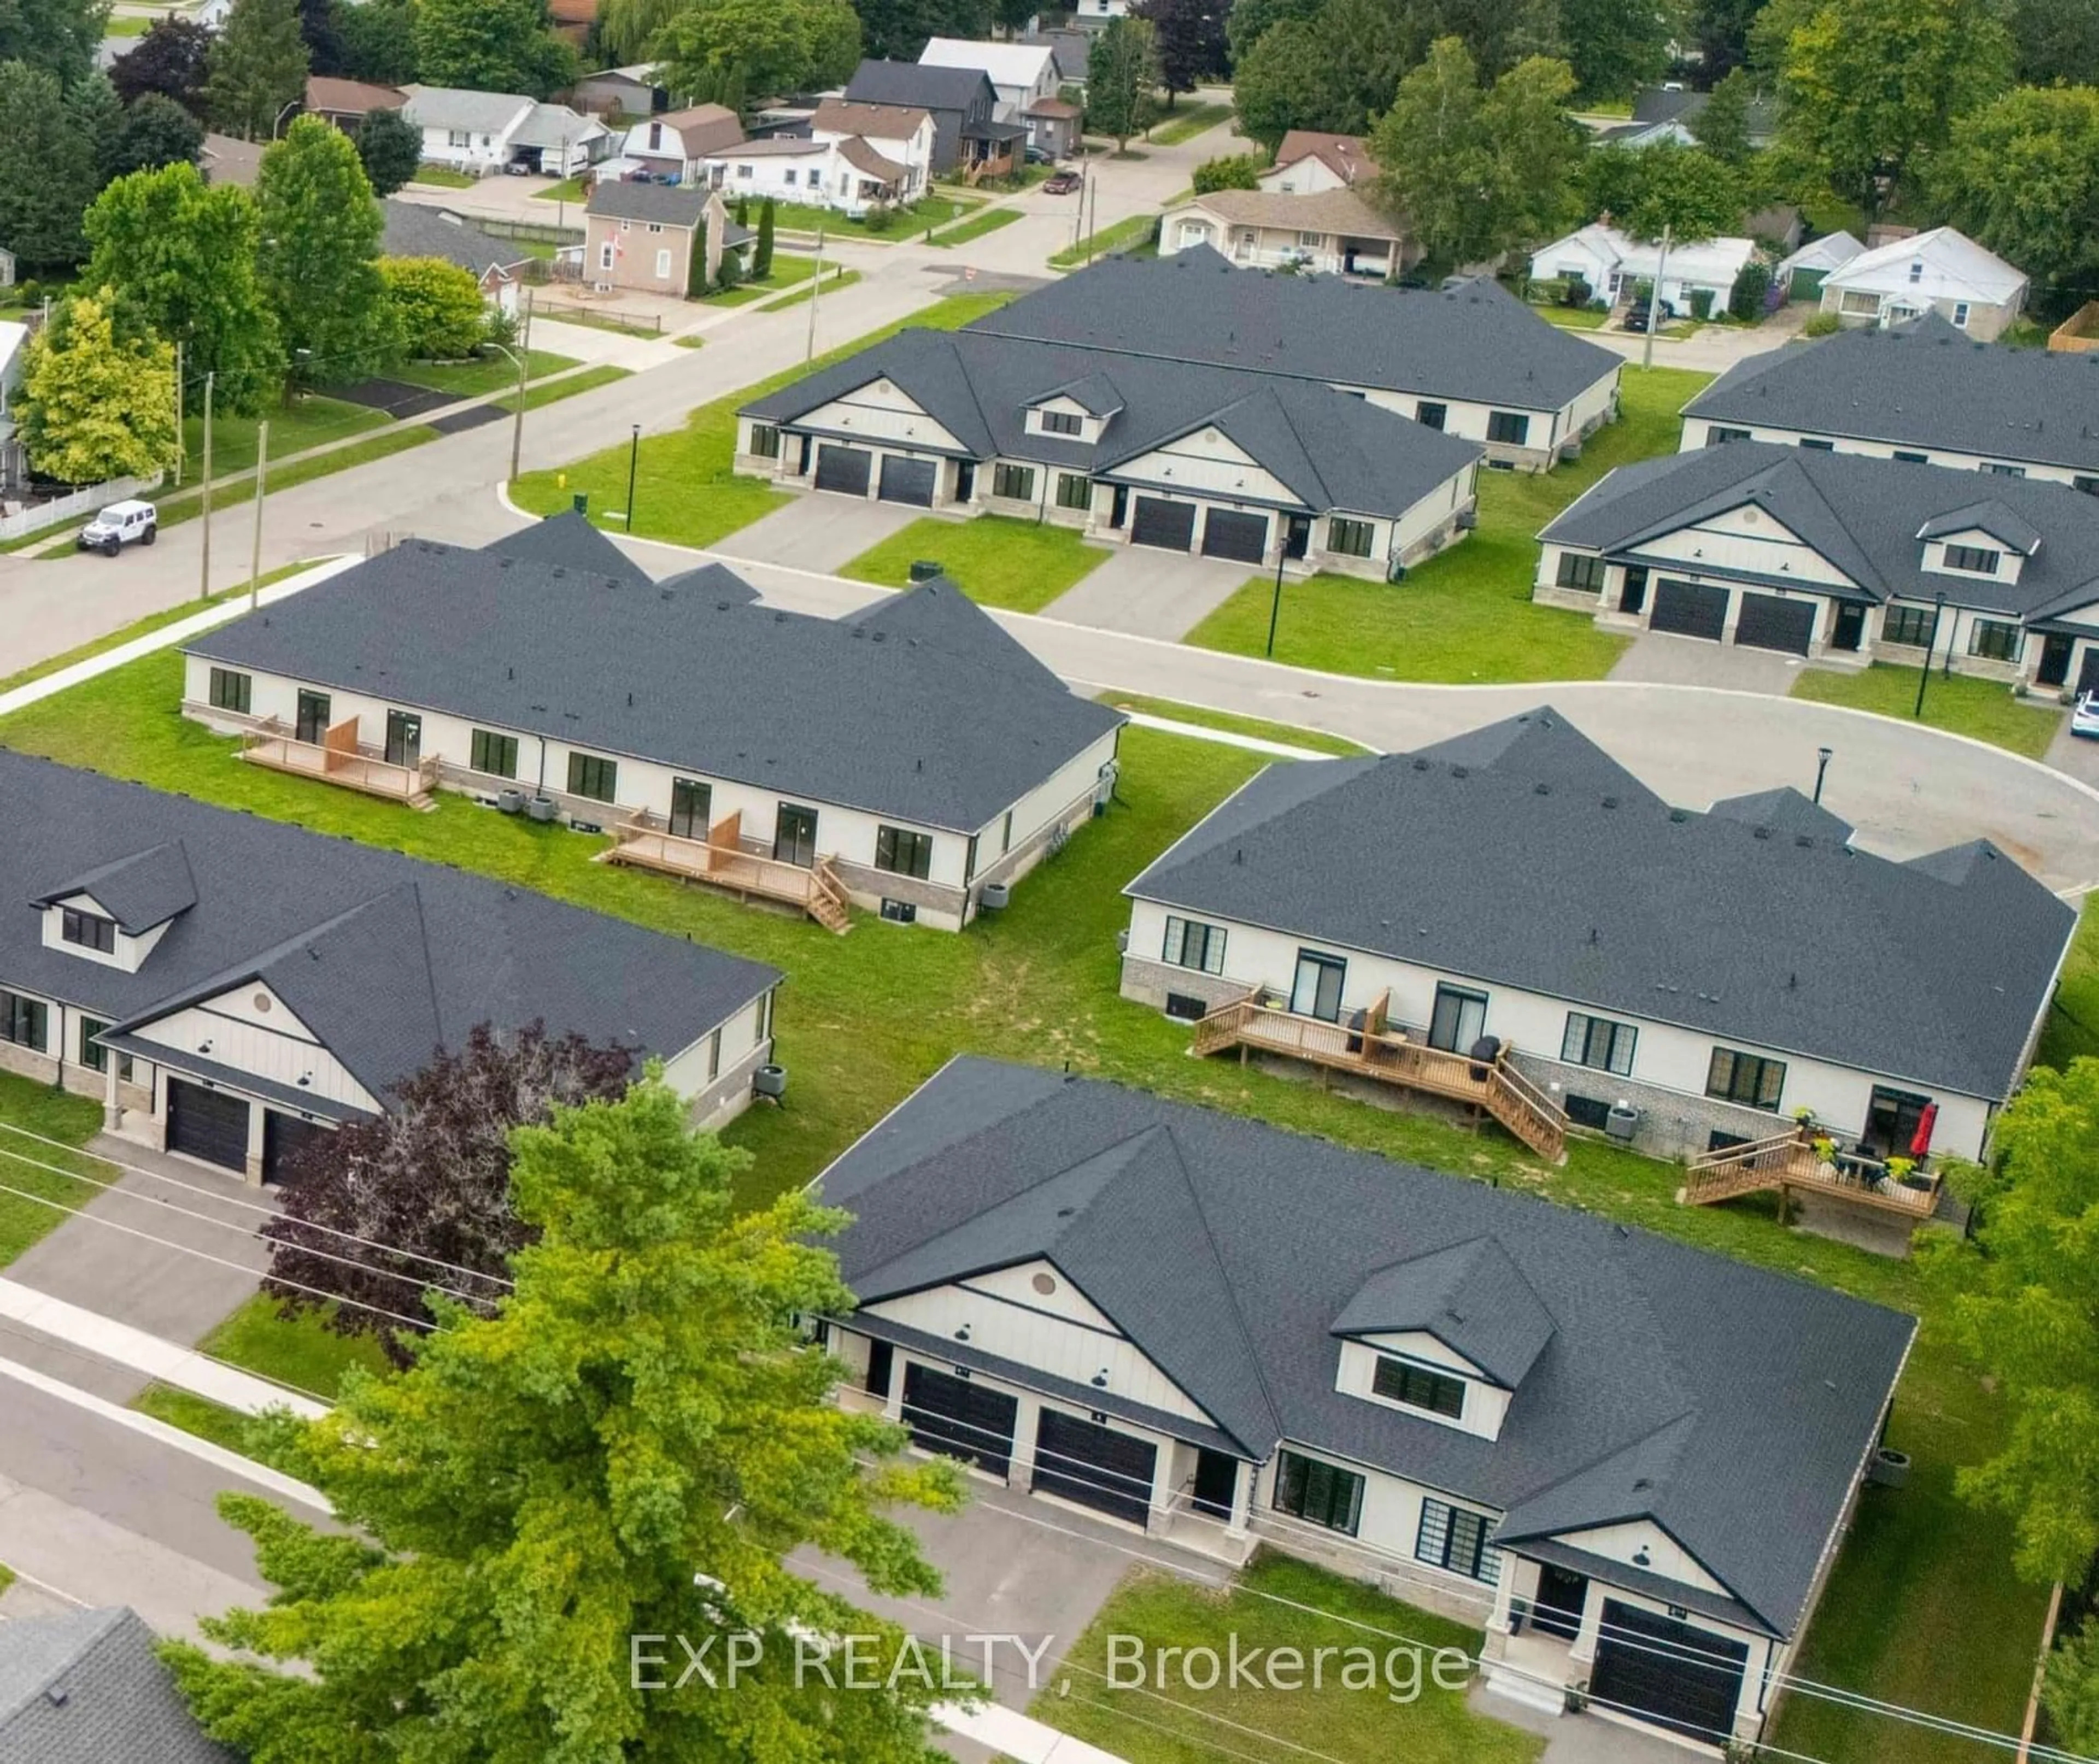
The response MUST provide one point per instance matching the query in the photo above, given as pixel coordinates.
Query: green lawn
(125, 24)
(1982, 709)
(475, 379)
(443, 178)
(787, 269)
(1318, 740)
(38, 1109)
(1573, 318)
(902, 223)
(998, 561)
(1124, 235)
(1186, 125)
(1466, 615)
(843, 278)
(311, 422)
(2072, 1032)
(1264, 1725)
(567, 190)
(588, 380)
(685, 490)
(977, 226)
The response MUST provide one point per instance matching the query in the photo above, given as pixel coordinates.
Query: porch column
(112, 1112)
(1243, 1479)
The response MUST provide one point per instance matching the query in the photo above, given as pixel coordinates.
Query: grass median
(997, 561)
(1983, 710)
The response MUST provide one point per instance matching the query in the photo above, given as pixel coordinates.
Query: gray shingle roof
(86, 1687)
(1475, 342)
(1933, 971)
(138, 890)
(662, 204)
(1332, 451)
(869, 712)
(473, 112)
(1225, 1248)
(925, 88)
(1784, 810)
(1867, 516)
(1470, 1297)
(382, 957)
(570, 541)
(416, 230)
(1921, 385)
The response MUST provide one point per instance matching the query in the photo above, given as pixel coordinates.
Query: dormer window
(1977, 560)
(1061, 423)
(88, 931)
(1401, 1381)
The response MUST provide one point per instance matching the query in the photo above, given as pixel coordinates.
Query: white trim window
(663, 266)
(1459, 1541)
(1598, 1042)
(1191, 944)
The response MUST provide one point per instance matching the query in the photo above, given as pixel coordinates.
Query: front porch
(1372, 1048)
(724, 859)
(338, 758)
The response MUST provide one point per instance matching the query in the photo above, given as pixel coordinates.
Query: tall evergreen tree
(543, 1489)
(761, 263)
(391, 148)
(378, 39)
(157, 131)
(256, 67)
(492, 46)
(318, 257)
(59, 37)
(180, 256)
(48, 169)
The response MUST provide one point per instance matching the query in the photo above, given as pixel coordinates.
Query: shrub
(1745, 300)
(731, 272)
(1821, 325)
(1575, 292)
(29, 291)
(1701, 303)
(500, 327)
(2070, 1691)
(438, 306)
(1230, 171)
(879, 218)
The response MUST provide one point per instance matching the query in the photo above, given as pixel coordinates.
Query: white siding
(1665, 1555)
(1668, 1056)
(880, 411)
(1208, 463)
(1486, 1406)
(271, 1044)
(1697, 432)
(1749, 540)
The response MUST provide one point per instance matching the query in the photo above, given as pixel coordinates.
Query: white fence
(35, 518)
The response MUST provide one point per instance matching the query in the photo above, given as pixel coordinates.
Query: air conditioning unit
(1467, 520)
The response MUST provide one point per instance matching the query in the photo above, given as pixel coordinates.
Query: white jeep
(119, 525)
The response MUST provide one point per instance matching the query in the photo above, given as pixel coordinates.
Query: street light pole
(1275, 601)
(204, 512)
(816, 293)
(255, 550)
(1654, 302)
(290, 104)
(517, 419)
(1821, 769)
(1931, 643)
(633, 462)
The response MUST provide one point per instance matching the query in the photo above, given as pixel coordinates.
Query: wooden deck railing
(1790, 1164)
(817, 890)
(1376, 1051)
(337, 759)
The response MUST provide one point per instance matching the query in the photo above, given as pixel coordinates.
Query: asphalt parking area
(396, 397)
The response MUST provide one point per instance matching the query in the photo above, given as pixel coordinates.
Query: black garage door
(1243, 536)
(908, 480)
(1693, 608)
(846, 468)
(1687, 1679)
(207, 1124)
(1170, 526)
(1094, 1465)
(284, 1137)
(960, 1417)
(1768, 622)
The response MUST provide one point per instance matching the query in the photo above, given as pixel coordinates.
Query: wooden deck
(719, 861)
(1789, 1163)
(1376, 1051)
(338, 759)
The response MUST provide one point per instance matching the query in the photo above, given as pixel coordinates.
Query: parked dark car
(1636, 319)
(1062, 184)
(1040, 155)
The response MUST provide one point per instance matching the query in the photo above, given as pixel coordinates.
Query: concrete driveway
(153, 1281)
(1145, 592)
(821, 531)
(1662, 658)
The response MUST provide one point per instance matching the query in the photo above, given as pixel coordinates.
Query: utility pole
(525, 339)
(1654, 302)
(255, 550)
(517, 423)
(633, 465)
(203, 585)
(1093, 217)
(1930, 644)
(815, 292)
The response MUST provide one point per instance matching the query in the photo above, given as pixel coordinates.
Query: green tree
(1190, 35)
(543, 1485)
(378, 41)
(896, 30)
(1614, 48)
(95, 405)
(776, 45)
(438, 308)
(491, 45)
(761, 262)
(1230, 171)
(696, 267)
(2058, 42)
(2070, 1693)
(157, 131)
(96, 115)
(1871, 86)
(1721, 29)
(58, 36)
(1247, 21)
(171, 59)
(1644, 189)
(180, 256)
(257, 65)
(48, 172)
(1722, 126)
(1538, 151)
(318, 262)
(2023, 1307)
(390, 148)
(1286, 81)
(2021, 176)
(1122, 80)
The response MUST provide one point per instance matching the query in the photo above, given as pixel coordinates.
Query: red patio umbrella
(1921, 1141)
